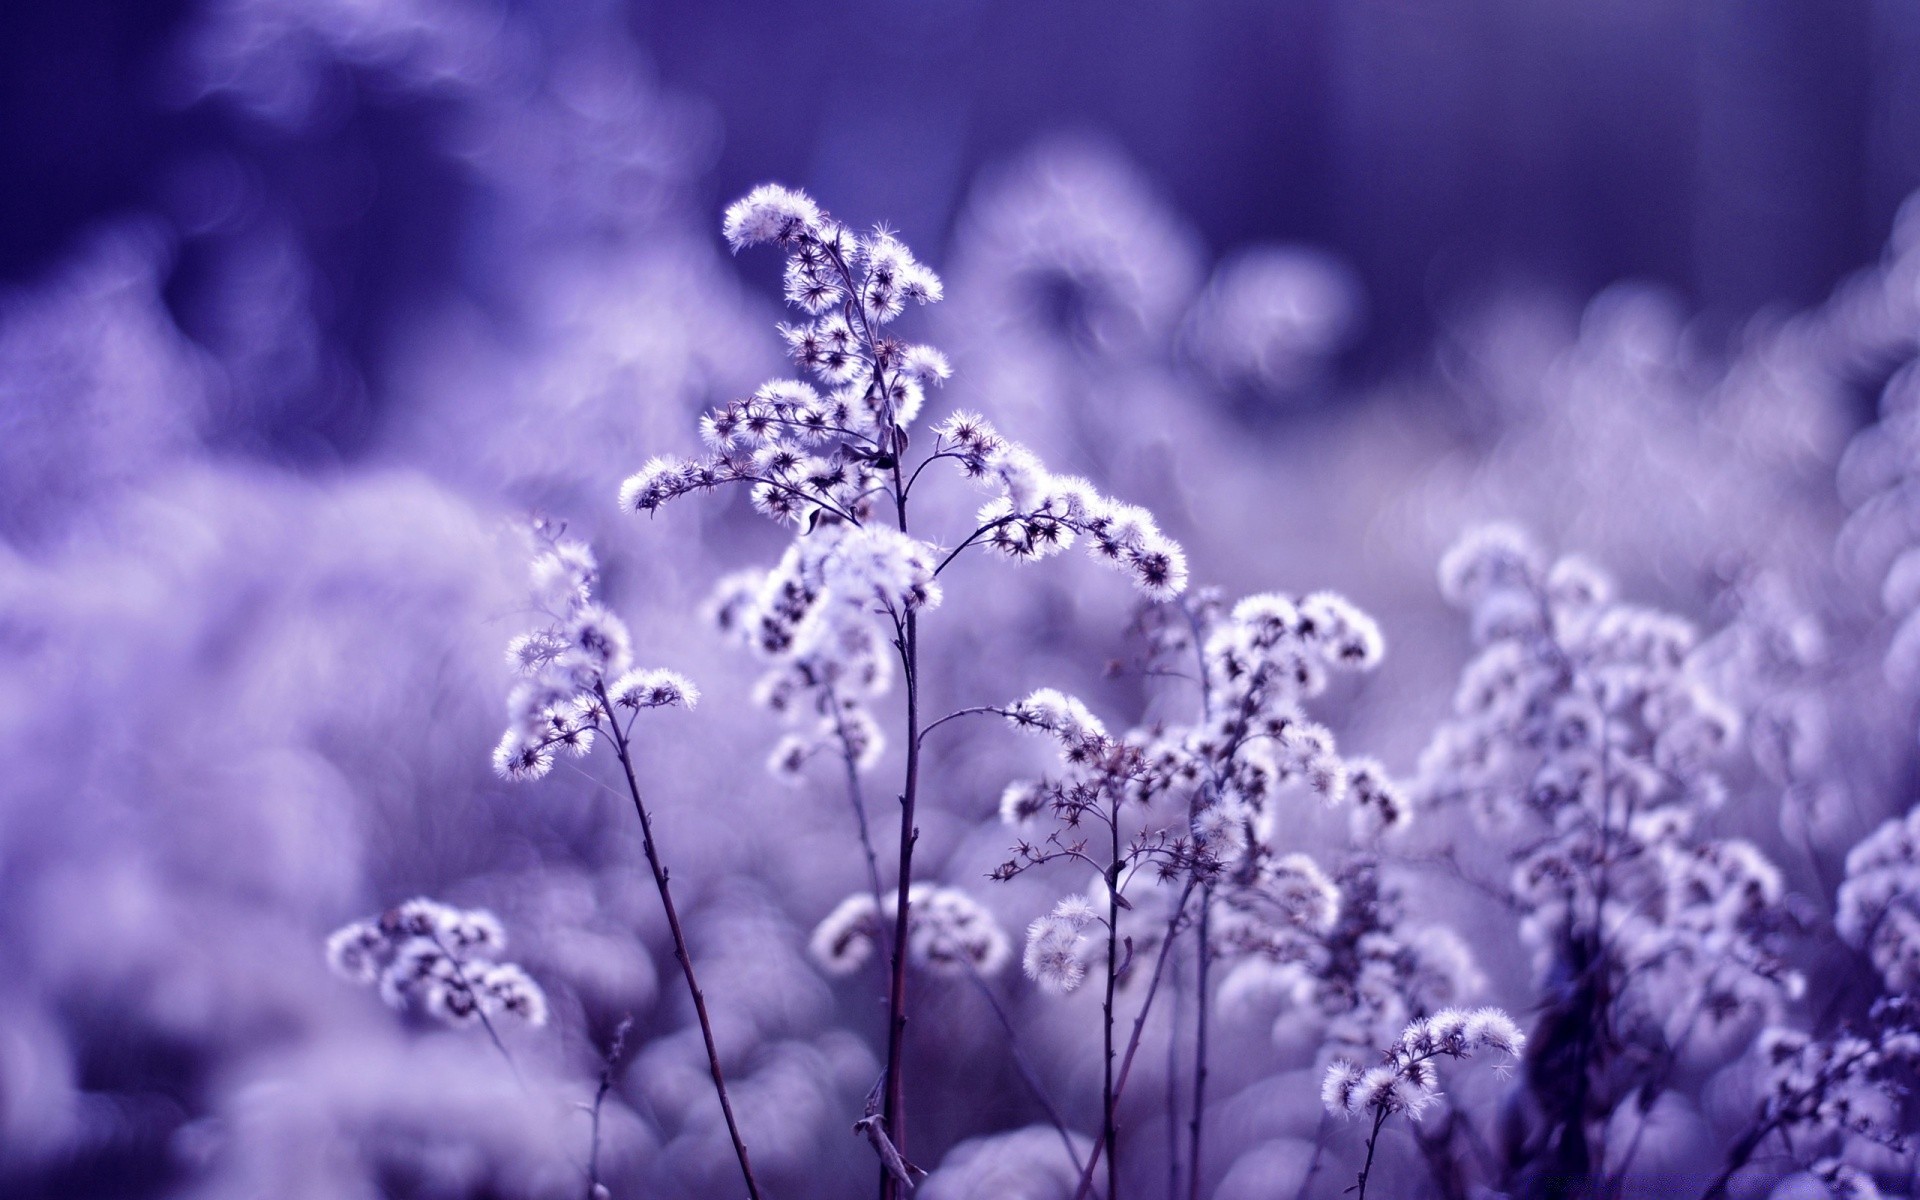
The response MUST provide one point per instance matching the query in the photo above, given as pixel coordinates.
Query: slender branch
(594, 1189)
(893, 1106)
(840, 430)
(621, 748)
(976, 710)
(931, 459)
(856, 798)
(1373, 1141)
(479, 1010)
(1199, 1046)
(1173, 1085)
(809, 497)
(975, 536)
(1025, 1069)
(1109, 1129)
(1085, 1187)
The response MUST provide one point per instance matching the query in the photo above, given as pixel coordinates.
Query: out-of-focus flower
(439, 960)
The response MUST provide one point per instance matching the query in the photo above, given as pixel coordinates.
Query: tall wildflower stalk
(1179, 811)
(580, 683)
(1584, 742)
(837, 467)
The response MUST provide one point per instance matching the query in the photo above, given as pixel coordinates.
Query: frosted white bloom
(1849, 1084)
(1037, 513)
(438, 960)
(1488, 1027)
(1022, 802)
(1879, 902)
(504, 987)
(770, 213)
(532, 653)
(655, 688)
(1379, 804)
(470, 931)
(598, 645)
(1065, 717)
(1584, 739)
(516, 759)
(843, 942)
(882, 567)
(1340, 1089)
(563, 575)
(1055, 954)
(1576, 584)
(1077, 910)
(1302, 892)
(1406, 1081)
(1307, 751)
(660, 480)
(355, 951)
(926, 364)
(561, 704)
(1348, 637)
(948, 933)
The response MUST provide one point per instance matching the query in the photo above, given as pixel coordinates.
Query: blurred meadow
(310, 308)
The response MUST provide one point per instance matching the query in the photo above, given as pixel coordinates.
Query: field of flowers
(613, 600)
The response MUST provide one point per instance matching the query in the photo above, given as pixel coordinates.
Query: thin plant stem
(607, 1068)
(621, 748)
(856, 799)
(973, 537)
(908, 643)
(486, 1023)
(1737, 1157)
(1373, 1142)
(893, 1106)
(1173, 1087)
(975, 710)
(1085, 1187)
(1109, 1128)
(1025, 1069)
(1199, 1045)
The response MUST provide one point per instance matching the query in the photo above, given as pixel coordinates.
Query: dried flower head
(438, 960)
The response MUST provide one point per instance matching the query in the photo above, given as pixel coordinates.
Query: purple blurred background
(1742, 155)
(304, 302)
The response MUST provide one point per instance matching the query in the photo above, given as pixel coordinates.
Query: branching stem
(622, 748)
(1085, 1187)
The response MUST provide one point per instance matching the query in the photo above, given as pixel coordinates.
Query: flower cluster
(577, 672)
(822, 455)
(807, 455)
(1879, 903)
(1035, 513)
(1260, 662)
(948, 933)
(1367, 975)
(1847, 1085)
(1406, 1079)
(1058, 946)
(1582, 738)
(1207, 794)
(439, 960)
(811, 617)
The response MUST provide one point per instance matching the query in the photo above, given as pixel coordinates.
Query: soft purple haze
(309, 308)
